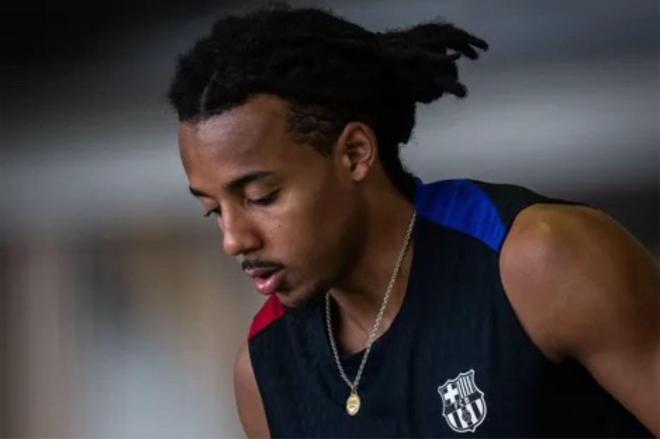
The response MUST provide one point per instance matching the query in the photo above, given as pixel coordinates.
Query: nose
(239, 235)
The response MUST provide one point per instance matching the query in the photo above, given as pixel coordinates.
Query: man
(398, 308)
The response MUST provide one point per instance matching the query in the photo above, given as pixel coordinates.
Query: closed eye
(265, 201)
(214, 212)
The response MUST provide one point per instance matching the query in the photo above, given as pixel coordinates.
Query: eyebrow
(235, 184)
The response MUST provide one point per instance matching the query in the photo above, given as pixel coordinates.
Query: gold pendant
(353, 404)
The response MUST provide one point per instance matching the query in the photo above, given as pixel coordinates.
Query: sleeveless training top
(454, 362)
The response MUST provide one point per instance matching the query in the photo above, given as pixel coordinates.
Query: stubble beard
(311, 298)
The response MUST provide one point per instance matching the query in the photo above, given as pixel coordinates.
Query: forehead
(242, 133)
(251, 137)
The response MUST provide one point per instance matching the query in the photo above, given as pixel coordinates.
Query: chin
(285, 299)
(301, 298)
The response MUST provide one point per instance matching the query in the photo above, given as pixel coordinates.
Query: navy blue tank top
(454, 362)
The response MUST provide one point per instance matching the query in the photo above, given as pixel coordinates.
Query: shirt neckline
(350, 362)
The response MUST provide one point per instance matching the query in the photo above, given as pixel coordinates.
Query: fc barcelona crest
(463, 403)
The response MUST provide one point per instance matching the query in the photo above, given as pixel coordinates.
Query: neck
(360, 295)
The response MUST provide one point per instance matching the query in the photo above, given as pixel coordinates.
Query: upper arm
(584, 288)
(248, 399)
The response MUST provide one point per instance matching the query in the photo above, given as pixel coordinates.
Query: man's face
(290, 215)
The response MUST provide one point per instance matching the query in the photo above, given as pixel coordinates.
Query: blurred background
(119, 315)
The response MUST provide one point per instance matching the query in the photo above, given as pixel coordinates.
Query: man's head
(291, 121)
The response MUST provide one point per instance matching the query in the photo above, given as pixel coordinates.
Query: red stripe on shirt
(272, 311)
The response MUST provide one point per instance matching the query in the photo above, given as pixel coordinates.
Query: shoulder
(584, 288)
(572, 273)
(246, 389)
(248, 399)
(483, 210)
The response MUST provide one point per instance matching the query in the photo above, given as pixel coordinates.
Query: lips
(267, 280)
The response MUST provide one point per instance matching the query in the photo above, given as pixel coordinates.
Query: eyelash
(263, 201)
(214, 212)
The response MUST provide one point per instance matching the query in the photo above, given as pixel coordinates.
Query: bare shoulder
(248, 399)
(583, 287)
(563, 266)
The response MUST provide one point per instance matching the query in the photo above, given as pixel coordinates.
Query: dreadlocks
(330, 71)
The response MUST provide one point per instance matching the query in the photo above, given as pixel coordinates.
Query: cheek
(307, 230)
(326, 231)
(305, 233)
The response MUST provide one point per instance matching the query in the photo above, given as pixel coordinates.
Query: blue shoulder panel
(462, 205)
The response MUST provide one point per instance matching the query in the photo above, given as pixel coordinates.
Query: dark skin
(584, 288)
(323, 219)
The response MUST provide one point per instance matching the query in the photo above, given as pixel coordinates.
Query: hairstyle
(329, 70)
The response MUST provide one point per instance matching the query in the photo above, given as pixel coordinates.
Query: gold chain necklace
(353, 402)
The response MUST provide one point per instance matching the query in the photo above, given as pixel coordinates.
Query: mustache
(258, 263)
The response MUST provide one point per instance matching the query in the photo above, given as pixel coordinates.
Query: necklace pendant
(353, 404)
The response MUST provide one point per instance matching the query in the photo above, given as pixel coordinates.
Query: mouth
(267, 280)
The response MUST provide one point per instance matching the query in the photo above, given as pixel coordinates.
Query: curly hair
(329, 70)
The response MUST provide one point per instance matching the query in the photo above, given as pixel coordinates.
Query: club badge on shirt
(463, 403)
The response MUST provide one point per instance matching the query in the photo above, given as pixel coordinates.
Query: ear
(357, 149)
